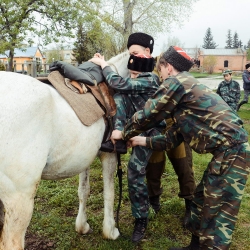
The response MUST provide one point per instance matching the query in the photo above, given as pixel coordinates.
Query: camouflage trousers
(145, 166)
(217, 198)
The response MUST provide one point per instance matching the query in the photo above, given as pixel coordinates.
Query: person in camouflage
(229, 90)
(246, 85)
(131, 95)
(143, 162)
(208, 125)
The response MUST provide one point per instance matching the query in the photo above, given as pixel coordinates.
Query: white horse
(42, 138)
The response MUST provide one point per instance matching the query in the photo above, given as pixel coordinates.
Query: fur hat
(178, 58)
(142, 39)
(141, 63)
(247, 65)
(226, 72)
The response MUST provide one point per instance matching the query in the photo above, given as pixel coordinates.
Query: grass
(56, 206)
(206, 75)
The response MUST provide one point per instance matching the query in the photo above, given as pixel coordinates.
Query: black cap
(141, 64)
(142, 39)
(178, 58)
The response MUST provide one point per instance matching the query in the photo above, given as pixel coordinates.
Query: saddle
(90, 103)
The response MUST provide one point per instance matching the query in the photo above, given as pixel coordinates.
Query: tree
(2, 67)
(55, 54)
(209, 64)
(248, 44)
(240, 44)
(208, 40)
(248, 53)
(20, 19)
(172, 41)
(91, 38)
(229, 41)
(235, 41)
(80, 50)
(121, 18)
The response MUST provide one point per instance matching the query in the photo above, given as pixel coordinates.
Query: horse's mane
(118, 57)
(119, 63)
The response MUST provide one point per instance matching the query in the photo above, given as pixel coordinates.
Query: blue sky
(219, 15)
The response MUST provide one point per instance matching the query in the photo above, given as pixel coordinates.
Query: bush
(2, 67)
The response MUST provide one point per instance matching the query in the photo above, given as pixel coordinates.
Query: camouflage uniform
(230, 93)
(131, 95)
(208, 125)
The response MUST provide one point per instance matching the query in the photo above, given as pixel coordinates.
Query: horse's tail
(1, 216)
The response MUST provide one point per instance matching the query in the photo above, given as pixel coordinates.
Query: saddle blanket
(85, 105)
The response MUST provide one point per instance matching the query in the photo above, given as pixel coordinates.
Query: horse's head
(119, 64)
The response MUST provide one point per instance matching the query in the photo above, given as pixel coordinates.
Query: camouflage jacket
(230, 93)
(202, 118)
(138, 89)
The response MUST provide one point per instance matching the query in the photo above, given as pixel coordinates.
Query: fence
(32, 68)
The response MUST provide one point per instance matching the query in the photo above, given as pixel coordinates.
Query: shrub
(2, 67)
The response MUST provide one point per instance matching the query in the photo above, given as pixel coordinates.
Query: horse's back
(42, 129)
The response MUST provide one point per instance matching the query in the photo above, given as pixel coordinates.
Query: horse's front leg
(82, 226)
(109, 162)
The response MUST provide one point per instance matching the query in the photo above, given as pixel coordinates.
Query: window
(67, 56)
(225, 63)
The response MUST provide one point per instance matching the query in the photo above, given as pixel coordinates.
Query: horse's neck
(119, 64)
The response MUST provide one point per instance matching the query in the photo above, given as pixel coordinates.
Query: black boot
(155, 203)
(187, 212)
(119, 147)
(194, 244)
(139, 229)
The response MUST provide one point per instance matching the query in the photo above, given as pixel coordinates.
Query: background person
(229, 90)
(246, 85)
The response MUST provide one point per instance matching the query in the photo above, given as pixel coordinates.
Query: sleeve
(237, 98)
(157, 108)
(246, 78)
(170, 140)
(218, 90)
(140, 85)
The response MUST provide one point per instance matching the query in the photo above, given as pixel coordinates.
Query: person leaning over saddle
(246, 85)
(140, 162)
(131, 95)
(208, 125)
(229, 90)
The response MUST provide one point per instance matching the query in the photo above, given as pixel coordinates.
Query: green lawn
(56, 206)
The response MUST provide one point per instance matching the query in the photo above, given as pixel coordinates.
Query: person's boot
(155, 203)
(239, 105)
(194, 245)
(119, 147)
(139, 229)
(187, 212)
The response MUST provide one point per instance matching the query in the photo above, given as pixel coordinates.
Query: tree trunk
(128, 23)
(10, 60)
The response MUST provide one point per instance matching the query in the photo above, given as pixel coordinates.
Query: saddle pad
(84, 105)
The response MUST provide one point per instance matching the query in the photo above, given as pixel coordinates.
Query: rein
(119, 175)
